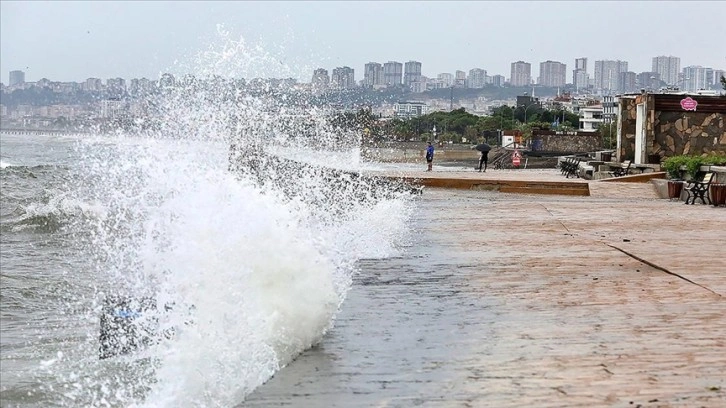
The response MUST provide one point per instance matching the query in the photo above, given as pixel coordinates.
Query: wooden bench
(622, 170)
(698, 188)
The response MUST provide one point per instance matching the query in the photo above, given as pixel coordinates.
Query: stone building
(654, 126)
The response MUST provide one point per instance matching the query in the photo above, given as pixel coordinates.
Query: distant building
(610, 108)
(521, 74)
(372, 75)
(591, 118)
(321, 79)
(446, 79)
(410, 109)
(412, 73)
(668, 68)
(552, 74)
(498, 80)
(343, 78)
(167, 81)
(16, 78)
(93, 85)
(420, 86)
(477, 78)
(460, 79)
(581, 63)
(116, 86)
(580, 77)
(628, 82)
(717, 74)
(650, 81)
(696, 77)
(607, 76)
(393, 73)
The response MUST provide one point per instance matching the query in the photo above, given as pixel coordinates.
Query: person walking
(430, 156)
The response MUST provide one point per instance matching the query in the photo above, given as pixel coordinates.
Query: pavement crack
(660, 268)
(557, 219)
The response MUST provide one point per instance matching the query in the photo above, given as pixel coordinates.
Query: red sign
(516, 158)
(689, 104)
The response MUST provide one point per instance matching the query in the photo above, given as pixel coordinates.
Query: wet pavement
(505, 300)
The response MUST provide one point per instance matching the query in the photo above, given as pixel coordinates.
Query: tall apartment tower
(668, 68)
(412, 73)
(521, 74)
(343, 78)
(552, 73)
(477, 78)
(460, 79)
(580, 77)
(608, 75)
(16, 78)
(696, 77)
(372, 74)
(392, 73)
(321, 80)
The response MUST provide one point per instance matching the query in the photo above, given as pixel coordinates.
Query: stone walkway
(505, 300)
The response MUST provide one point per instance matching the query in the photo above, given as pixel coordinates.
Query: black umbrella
(483, 147)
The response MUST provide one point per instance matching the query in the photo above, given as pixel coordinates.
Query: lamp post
(526, 108)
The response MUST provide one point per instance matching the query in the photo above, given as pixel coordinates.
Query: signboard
(689, 104)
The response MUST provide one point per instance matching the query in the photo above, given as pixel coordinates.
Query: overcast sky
(71, 41)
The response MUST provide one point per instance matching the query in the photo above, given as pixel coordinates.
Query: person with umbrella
(484, 149)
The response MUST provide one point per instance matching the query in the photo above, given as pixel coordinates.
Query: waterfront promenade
(616, 299)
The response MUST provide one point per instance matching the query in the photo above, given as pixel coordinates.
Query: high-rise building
(372, 74)
(552, 73)
(16, 78)
(580, 77)
(581, 63)
(321, 80)
(607, 76)
(412, 73)
(460, 79)
(343, 78)
(446, 79)
(93, 85)
(116, 86)
(650, 81)
(668, 68)
(392, 73)
(628, 81)
(477, 78)
(521, 74)
(717, 74)
(498, 80)
(695, 78)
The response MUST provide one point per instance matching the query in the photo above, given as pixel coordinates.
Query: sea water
(255, 276)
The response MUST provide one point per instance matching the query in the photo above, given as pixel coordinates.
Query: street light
(525, 111)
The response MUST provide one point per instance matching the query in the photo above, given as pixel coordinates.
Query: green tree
(723, 81)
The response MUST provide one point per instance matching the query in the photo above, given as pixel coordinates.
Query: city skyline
(134, 40)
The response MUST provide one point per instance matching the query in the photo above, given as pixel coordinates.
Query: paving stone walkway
(504, 300)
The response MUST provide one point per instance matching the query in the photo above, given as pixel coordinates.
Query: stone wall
(670, 132)
(627, 128)
(579, 143)
(689, 133)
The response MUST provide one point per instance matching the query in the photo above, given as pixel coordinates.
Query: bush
(673, 164)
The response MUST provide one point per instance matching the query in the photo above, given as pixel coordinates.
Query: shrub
(673, 164)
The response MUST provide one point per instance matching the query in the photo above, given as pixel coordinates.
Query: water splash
(256, 275)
